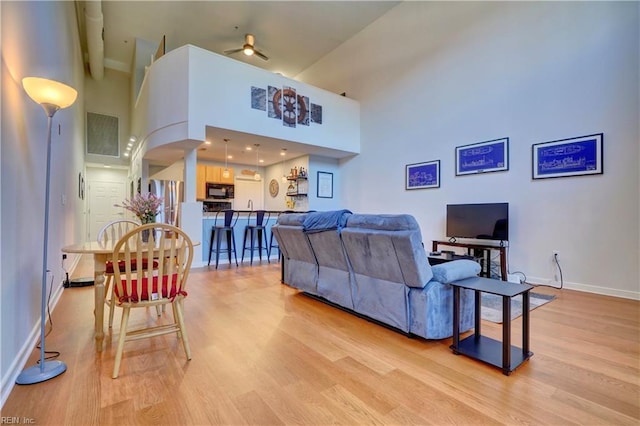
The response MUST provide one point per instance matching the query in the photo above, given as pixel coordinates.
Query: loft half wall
(191, 95)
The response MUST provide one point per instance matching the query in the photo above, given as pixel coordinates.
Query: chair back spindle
(114, 230)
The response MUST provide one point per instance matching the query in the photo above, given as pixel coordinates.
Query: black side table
(485, 349)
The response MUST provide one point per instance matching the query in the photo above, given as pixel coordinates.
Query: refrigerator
(172, 193)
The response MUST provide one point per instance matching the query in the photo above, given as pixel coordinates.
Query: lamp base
(36, 374)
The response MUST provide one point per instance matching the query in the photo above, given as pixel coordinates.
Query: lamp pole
(45, 93)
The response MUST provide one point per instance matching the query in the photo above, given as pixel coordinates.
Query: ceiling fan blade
(260, 54)
(229, 52)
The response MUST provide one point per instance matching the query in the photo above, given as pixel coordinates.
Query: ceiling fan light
(247, 50)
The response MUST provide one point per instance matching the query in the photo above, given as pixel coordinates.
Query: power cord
(557, 262)
(522, 279)
(555, 258)
(524, 276)
(52, 354)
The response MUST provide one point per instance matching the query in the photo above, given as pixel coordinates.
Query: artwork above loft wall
(287, 105)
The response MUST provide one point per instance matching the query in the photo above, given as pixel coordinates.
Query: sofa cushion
(292, 219)
(169, 288)
(325, 221)
(301, 270)
(455, 270)
(385, 222)
(387, 247)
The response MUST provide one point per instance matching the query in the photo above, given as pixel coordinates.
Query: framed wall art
(422, 175)
(567, 157)
(483, 157)
(325, 185)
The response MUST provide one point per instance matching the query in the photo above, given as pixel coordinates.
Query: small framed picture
(483, 157)
(422, 175)
(325, 185)
(567, 157)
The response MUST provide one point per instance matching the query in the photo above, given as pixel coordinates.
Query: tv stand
(486, 257)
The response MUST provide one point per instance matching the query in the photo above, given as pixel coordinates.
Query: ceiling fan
(247, 48)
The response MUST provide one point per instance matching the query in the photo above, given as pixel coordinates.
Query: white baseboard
(605, 291)
(20, 361)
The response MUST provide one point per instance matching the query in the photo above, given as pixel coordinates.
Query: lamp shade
(45, 91)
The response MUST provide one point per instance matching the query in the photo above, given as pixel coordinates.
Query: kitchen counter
(209, 220)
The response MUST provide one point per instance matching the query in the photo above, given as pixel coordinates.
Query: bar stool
(256, 230)
(224, 230)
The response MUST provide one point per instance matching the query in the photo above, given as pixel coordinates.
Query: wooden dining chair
(146, 286)
(109, 234)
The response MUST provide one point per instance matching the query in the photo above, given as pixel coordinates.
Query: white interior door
(102, 197)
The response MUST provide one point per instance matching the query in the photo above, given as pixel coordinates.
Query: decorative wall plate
(274, 187)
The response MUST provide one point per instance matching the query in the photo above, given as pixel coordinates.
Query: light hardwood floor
(265, 354)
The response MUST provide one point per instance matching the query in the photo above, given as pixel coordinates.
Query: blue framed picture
(423, 175)
(483, 157)
(568, 157)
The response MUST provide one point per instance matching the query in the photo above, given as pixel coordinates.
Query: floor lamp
(52, 96)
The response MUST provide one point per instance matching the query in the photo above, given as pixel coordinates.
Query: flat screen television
(481, 221)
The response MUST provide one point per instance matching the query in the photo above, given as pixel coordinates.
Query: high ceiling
(293, 34)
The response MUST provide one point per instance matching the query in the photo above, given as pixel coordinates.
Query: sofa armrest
(455, 270)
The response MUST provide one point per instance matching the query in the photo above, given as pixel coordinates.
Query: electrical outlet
(556, 254)
(64, 256)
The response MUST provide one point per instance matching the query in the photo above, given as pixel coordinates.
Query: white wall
(431, 76)
(38, 39)
(329, 165)
(110, 96)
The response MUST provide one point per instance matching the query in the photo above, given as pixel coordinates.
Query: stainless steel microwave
(219, 191)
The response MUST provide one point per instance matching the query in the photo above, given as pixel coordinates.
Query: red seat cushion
(166, 291)
(121, 265)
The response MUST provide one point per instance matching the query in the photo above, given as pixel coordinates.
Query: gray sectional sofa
(376, 266)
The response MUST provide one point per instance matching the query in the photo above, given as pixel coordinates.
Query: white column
(189, 175)
(191, 210)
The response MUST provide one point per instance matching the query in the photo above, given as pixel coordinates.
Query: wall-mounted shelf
(298, 186)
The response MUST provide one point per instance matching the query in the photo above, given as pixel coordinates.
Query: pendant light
(284, 176)
(257, 176)
(225, 172)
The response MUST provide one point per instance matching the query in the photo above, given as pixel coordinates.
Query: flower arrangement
(144, 206)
